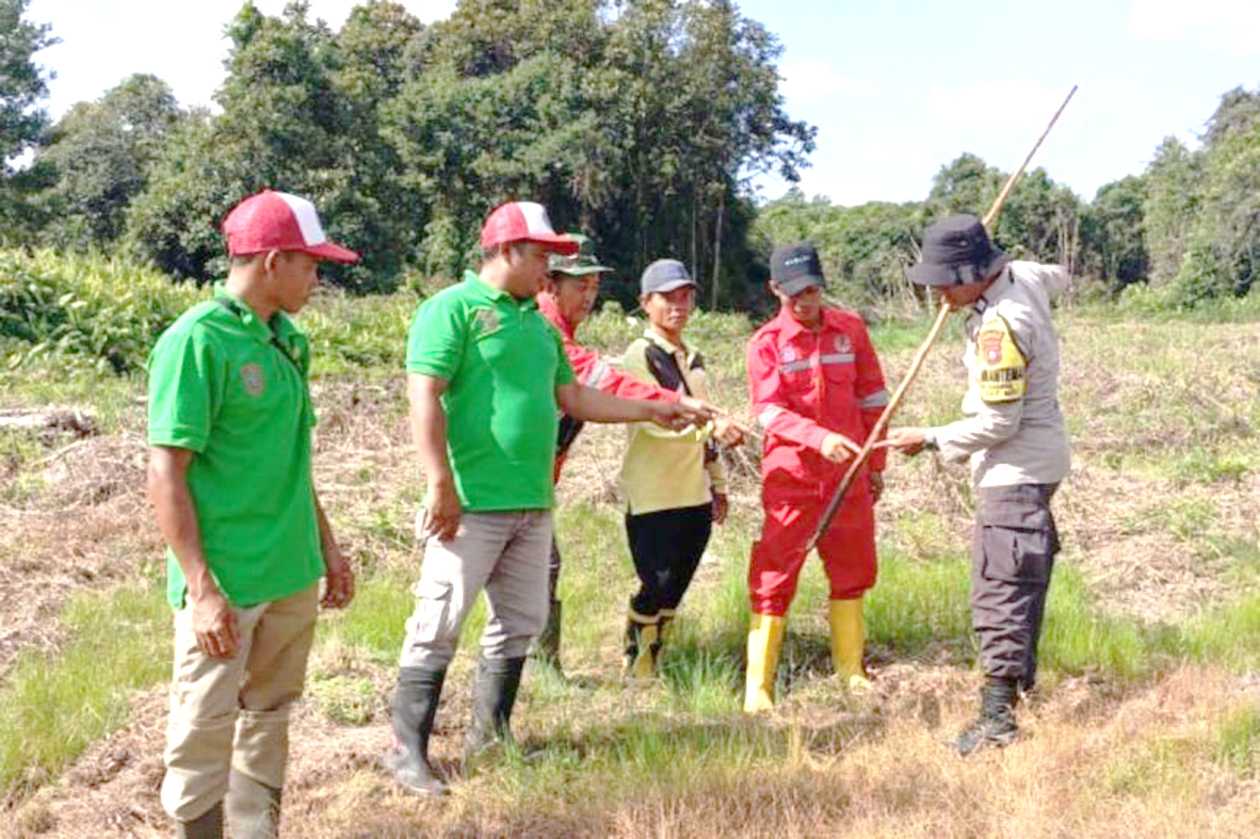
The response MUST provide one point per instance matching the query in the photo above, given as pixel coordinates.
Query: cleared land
(1147, 721)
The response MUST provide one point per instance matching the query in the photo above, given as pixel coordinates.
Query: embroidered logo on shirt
(485, 321)
(787, 355)
(252, 379)
(843, 344)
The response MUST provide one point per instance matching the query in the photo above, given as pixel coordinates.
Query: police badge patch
(1001, 367)
(252, 379)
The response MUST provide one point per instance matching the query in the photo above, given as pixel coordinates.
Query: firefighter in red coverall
(817, 390)
(568, 298)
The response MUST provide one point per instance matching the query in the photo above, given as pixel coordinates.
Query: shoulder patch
(1000, 366)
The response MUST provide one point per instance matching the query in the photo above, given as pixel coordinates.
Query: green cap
(579, 264)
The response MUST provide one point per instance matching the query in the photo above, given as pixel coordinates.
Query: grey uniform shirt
(1021, 441)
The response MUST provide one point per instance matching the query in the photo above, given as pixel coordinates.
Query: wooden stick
(872, 439)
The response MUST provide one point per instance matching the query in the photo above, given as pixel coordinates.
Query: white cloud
(812, 81)
(1229, 25)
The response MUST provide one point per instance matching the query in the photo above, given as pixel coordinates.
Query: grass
(51, 709)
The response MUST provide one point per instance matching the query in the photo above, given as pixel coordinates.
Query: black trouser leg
(1012, 558)
(666, 546)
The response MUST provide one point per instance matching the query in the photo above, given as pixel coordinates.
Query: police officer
(1013, 434)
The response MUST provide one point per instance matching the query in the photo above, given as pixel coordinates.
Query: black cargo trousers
(1013, 547)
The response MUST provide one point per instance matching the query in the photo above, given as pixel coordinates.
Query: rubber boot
(765, 639)
(414, 709)
(209, 825)
(662, 632)
(848, 639)
(494, 694)
(252, 808)
(643, 642)
(996, 724)
(546, 647)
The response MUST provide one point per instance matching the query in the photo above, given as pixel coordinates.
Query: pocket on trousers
(433, 608)
(1017, 555)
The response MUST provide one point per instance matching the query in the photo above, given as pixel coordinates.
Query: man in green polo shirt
(230, 481)
(487, 376)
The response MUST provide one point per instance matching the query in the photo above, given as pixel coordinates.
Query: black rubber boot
(252, 808)
(415, 706)
(546, 649)
(494, 694)
(996, 724)
(209, 825)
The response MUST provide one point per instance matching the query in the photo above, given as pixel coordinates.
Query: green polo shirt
(233, 389)
(502, 362)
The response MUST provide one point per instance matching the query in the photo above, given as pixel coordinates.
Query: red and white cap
(278, 221)
(524, 221)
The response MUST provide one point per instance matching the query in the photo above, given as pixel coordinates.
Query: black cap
(796, 268)
(957, 251)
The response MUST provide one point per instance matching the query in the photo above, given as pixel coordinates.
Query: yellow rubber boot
(765, 639)
(643, 643)
(848, 638)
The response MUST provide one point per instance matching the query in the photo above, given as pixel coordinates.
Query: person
(567, 299)
(674, 481)
(229, 477)
(817, 391)
(486, 377)
(1014, 436)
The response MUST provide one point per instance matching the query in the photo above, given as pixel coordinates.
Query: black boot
(415, 706)
(996, 724)
(546, 649)
(494, 694)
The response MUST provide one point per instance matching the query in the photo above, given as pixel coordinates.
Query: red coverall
(593, 370)
(805, 384)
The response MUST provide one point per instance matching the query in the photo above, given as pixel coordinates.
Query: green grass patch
(51, 708)
(917, 604)
(1238, 741)
(1228, 635)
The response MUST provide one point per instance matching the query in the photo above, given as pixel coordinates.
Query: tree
(1113, 233)
(1173, 195)
(100, 154)
(22, 82)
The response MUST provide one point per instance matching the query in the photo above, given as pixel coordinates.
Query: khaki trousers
(233, 714)
(504, 553)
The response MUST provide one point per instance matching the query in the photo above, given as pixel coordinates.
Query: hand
(908, 441)
(214, 624)
(339, 579)
(440, 514)
(703, 410)
(877, 486)
(720, 507)
(837, 448)
(728, 432)
(675, 415)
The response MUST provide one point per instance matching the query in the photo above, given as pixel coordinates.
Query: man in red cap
(229, 433)
(818, 390)
(567, 299)
(487, 378)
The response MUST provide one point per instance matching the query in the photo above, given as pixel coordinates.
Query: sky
(896, 88)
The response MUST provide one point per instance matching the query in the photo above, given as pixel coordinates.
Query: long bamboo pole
(920, 355)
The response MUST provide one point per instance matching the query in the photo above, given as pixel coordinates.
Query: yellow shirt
(662, 469)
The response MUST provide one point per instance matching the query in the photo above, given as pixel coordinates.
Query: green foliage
(100, 154)
(50, 709)
(1173, 191)
(103, 312)
(1112, 234)
(23, 83)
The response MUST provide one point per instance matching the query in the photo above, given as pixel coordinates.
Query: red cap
(524, 221)
(278, 221)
